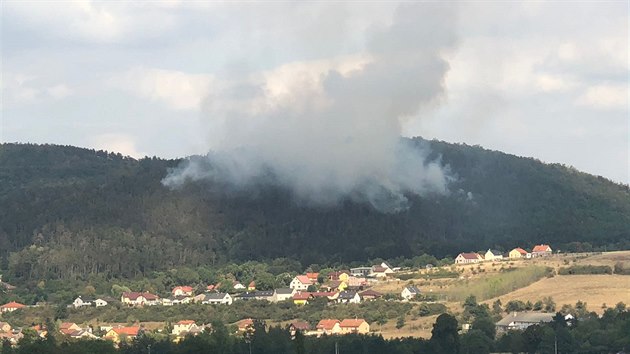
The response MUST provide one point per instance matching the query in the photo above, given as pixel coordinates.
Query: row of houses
(494, 255)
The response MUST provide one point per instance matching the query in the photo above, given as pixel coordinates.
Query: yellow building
(518, 253)
(358, 325)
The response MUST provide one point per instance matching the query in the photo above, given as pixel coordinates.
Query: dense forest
(68, 213)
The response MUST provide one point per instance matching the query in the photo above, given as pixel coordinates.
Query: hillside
(67, 212)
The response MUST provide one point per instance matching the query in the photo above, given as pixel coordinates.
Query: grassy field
(595, 290)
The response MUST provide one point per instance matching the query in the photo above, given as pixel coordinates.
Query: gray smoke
(337, 134)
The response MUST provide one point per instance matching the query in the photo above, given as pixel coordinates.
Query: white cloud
(605, 96)
(21, 89)
(59, 91)
(176, 89)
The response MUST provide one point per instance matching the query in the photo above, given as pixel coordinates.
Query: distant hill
(68, 212)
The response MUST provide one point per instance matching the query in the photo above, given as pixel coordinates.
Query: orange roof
(327, 324)
(353, 323)
(304, 279)
(185, 322)
(302, 295)
(252, 284)
(245, 323)
(541, 248)
(129, 331)
(12, 305)
(67, 325)
(312, 276)
(520, 250)
(185, 289)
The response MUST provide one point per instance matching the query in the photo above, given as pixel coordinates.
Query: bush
(585, 269)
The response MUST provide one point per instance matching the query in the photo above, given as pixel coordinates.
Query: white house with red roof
(182, 291)
(11, 306)
(300, 283)
(183, 327)
(467, 258)
(541, 251)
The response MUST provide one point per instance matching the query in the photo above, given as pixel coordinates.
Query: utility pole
(555, 344)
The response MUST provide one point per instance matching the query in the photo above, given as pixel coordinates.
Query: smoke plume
(332, 130)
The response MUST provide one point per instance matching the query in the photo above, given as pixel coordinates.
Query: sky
(547, 80)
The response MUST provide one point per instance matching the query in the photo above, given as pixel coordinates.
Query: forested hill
(68, 212)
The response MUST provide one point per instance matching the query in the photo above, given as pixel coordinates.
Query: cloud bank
(337, 134)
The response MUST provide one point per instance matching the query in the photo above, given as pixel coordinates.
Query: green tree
(444, 337)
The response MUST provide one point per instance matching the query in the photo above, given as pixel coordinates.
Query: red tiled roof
(303, 326)
(252, 284)
(302, 295)
(520, 250)
(541, 248)
(185, 289)
(312, 276)
(327, 324)
(12, 305)
(470, 255)
(245, 323)
(303, 279)
(378, 269)
(352, 323)
(185, 322)
(67, 325)
(210, 287)
(129, 331)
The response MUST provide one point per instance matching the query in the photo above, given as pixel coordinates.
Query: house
(519, 253)
(301, 326)
(381, 270)
(139, 299)
(80, 334)
(177, 300)
(183, 327)
(356, 282)
(361, 271)
(42, 331)
(522, 320)
(13, 337)
(238, 286)
(467, 258)
(251, 286)
(357, 325)
(264, 295)
(182, 291)
(493, 255)
(312, 277)
(340, 275)
(409, 292)
(245, 324)
(336, 285)
(103, 301)
(80, 302)
(328, 326)
(68, 326)
(328, 295)
(120, 334)
(11, 306)
(212, 287)
(300, 283)
(351, 297)
(217, 299)
(5, 327)
(283, 294)
(541, 251)
(301, 298)
(370, 295)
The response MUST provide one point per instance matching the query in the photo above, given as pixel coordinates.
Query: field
(516, 280)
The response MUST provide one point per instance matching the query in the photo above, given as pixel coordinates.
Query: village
(344, 286)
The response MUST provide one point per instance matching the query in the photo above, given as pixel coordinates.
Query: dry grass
(595, 290)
